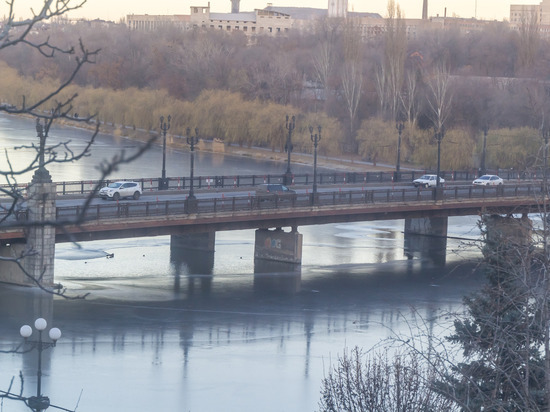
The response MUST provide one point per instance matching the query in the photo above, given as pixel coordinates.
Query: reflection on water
(16, 131)
(276, 278)
(210, 332)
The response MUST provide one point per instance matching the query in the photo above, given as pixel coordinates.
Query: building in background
(530, 13)
(274, 21)
(259, 21)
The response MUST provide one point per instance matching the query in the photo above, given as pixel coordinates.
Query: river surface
(217, 333)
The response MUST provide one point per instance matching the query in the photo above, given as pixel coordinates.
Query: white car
(427, 181)
(488, 180)
(119, 190)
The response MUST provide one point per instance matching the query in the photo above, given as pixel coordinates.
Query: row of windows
(149, 25)
(252, 29)
(152, 24)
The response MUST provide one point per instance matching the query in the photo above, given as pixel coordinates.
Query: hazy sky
(117, 9)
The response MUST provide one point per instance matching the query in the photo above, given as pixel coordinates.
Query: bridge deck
(112, 220)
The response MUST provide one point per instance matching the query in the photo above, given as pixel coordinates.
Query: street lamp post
(290, 125)
(399, 126)
(191, 201)
(41, 175)
(315, 138)
(39, 402)
(164, 126)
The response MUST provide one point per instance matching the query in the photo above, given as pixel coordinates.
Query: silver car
(488, 180)
(119, 190)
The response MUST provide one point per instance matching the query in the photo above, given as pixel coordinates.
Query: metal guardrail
(132, 209)
(237, 181)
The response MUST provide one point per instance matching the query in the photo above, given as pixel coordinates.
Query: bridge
(425, 212)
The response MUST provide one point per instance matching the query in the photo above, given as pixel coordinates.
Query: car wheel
(116, 197)
(426, 185)
(136, 195)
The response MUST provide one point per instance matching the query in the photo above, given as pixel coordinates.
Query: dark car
(274, 191)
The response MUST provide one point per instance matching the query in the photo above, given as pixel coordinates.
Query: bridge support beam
(278, 245)
(426, 237)
(204, 242)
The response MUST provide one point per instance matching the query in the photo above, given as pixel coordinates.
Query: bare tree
(439, 96)
(395, 49)
(351, 77)
(529, 39)
(409, 97)
(380, 83)
(53, 105)
(381, 381)
(325, 56)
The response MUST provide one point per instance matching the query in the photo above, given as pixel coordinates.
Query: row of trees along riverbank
(229, 117)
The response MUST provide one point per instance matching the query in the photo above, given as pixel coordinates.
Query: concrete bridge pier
(41, 238)
(278, 245)
(39, 250)
(426, 237)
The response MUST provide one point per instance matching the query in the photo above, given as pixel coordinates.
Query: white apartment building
(260, 21)
(530, 13)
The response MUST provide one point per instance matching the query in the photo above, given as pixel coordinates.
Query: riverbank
(350, 163)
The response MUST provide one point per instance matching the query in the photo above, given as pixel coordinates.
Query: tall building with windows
(530, 13)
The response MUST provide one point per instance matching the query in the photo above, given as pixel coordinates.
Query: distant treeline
(241, 93)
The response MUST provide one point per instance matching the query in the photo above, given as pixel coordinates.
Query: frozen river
(223, 334)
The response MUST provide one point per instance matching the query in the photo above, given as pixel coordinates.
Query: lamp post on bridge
(39, 402)
(164, 126)
(315, 138)
(191, 201)
(290, 125)
(41, 175)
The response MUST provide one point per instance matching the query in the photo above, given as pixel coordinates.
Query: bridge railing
(212, 205)
(85, 187)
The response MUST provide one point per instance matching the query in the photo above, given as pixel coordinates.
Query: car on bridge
(427, 181)
(488, 180)
(274, 191)
(119, 190)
